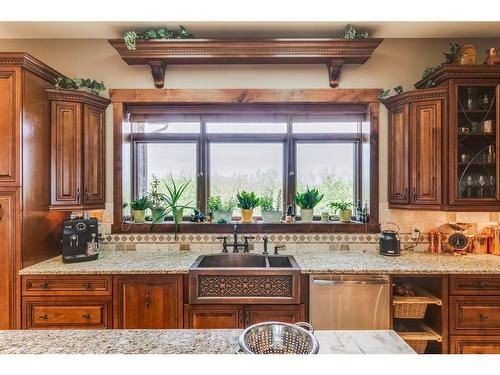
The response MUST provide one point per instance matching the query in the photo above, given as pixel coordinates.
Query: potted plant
(342, 207)
(157, 201)
(271, 212)
(221, 211)
(173, 197)
(307, 200)
(139, 207)
(247, 202)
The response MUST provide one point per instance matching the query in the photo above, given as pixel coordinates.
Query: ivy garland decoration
(86, 84)
(130, 37)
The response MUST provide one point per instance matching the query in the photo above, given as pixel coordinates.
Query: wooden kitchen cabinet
(474, 345)
(78, 147)
(443, 141)
(148, 301)
(239, 316)
(415, 149)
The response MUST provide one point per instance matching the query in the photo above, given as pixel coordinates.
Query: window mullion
(290, 162)
(203, 173)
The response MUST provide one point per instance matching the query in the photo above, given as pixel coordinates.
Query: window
(273, 154)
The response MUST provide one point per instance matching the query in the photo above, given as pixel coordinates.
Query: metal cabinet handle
(87, 195)
(481, 284)
(45, 285)
(44, 317)
(87, 285)
(147, 299)
(86, 316)
(483, 317)
(414, 194)
(406, 193)
(78, 195)
(1, 212)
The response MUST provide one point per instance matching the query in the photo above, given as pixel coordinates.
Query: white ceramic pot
(306, 214)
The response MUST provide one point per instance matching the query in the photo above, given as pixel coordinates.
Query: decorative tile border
(205, 238)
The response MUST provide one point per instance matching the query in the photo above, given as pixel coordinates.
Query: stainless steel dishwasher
(349, 301)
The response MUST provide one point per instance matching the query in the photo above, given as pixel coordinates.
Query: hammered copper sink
(244, 278)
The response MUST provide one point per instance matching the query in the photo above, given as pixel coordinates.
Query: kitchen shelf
(416, 333)
(335, 53)
(423, 297)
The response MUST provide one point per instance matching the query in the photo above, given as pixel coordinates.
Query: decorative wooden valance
(332, 52)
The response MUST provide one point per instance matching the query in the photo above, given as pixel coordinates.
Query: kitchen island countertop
(163, 261)
(182, 341)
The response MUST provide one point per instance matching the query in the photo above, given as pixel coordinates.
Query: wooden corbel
(158, 69)
(334, 70)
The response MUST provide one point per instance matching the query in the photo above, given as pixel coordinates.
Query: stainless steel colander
(279, 338)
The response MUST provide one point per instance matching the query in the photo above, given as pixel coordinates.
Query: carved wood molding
(416, 95)
(78, 96)
(30, 63)
(332, 52)
(452, 71)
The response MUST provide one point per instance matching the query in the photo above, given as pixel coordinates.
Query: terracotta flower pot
(246, 215)
(306, 214)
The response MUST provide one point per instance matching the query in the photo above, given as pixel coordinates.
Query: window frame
(288, 139)
(127, 103)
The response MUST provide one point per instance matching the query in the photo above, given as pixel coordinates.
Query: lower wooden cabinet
(475, 315)
(148, 301)
(239, 316)
(66, 313)
(475, 344)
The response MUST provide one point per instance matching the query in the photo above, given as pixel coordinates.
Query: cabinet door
(9, 226)
(10, 102)
(274, 313)
(475, 344)
(66, 127)
(148, 302)
(425, 145)
(213, 316)
(398, 156)
(93, 155)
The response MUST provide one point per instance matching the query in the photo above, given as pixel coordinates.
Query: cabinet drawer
(66, 314)
(475, 344)
(67, 285)
(475, 285)
(475, 315)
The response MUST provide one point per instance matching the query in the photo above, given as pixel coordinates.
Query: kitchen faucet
(235, 243)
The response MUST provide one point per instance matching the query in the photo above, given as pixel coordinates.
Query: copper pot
(494, 245)
(481, 244)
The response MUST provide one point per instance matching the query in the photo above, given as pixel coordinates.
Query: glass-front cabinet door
(474, 144)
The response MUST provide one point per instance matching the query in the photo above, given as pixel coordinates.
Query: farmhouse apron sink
(244, 278)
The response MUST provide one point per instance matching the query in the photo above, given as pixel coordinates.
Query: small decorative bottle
(365, 216)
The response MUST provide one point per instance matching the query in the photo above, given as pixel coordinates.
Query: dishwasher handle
(374, 281)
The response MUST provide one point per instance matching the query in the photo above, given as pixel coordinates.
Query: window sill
(188, 227)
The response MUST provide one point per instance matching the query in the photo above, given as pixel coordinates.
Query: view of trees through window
(250, 157)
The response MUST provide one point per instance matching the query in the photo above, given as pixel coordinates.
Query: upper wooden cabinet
(415, 148)
(443, 142)
(78, 149)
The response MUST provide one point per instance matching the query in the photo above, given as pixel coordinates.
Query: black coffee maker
(389, 243)
(80, 239)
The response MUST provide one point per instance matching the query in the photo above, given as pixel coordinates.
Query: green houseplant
(247, 202)
(307, 200)
(157, 200)
(345, 212)
(173, 198)
(270, 210)
(221, 211)
(139, 207)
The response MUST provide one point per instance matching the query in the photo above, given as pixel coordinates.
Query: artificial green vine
(350, 32)
(449, 58)
(130, 37)
(384, 94)
(95, 87)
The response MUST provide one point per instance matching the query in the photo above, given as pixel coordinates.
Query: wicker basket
(414, 307)
(418, 345)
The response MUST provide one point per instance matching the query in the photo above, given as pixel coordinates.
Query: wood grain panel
(475, 344)
(475, 315)
(94, 155)
(10, 94)
(71, 285)
(425, 148)
(9, 246)
(213, 316)
(274, 313)
(398, 156)
(66, 153)
(148, 302)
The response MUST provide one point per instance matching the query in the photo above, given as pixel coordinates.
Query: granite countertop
(318, 261)
(183, 341)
